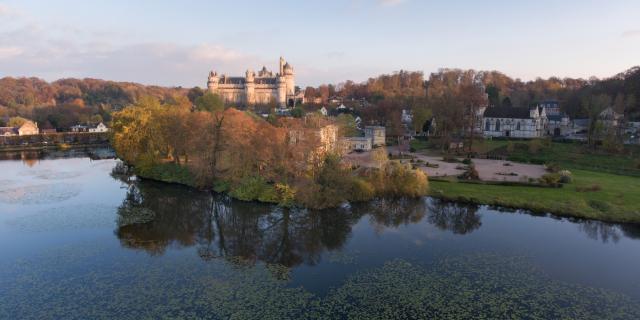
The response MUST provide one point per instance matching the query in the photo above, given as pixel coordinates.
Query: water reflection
(459, 218)
(222, 228)
(32, 157)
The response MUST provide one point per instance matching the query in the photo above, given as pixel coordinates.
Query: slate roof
(556, 117)
(266, 81)
(4, 130)
(507, 112)
(232, 80)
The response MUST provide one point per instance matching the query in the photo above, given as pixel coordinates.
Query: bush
(565, 176)
(467, 161)
(470, 174)
(254, 188)
(550, 179)
(412, 149)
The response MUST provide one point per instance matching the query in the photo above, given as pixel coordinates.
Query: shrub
(412, 149)
(254, 188)
(467, 161)
(550, 179)
(565, 176)
(470, 174)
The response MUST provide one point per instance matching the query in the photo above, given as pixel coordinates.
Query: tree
(16, 121)
(346, 125)
(209, 102)
(593, 105)
(421, 115)
(195, 93)
(96, 118)
(297, 112)
(493, 94)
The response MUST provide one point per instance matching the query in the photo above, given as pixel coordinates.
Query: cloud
(10, 52)
(631, 33)
(390, 3)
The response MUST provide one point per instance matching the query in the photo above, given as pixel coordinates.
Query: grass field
(616, 198)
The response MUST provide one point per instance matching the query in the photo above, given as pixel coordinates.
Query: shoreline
(533, 210)
(53, 147)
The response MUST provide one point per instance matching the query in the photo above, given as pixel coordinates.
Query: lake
(80, 238)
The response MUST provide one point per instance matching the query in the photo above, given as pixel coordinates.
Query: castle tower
(282, 91)
(282, 62)
(213, 81)
(289, 77)
(250, 88)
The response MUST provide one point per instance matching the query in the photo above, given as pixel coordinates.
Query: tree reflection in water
(224, 228)
(246, 232)
(459, 218)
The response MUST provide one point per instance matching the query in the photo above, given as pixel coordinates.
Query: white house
(99, 128)
(323, 111)
(514, 122)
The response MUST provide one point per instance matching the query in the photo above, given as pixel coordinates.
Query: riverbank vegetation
(287, 161)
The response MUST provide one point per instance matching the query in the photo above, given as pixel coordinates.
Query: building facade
(263, 87)
(377, 134)
(515, 122)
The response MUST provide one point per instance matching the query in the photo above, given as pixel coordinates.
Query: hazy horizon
(174, 44)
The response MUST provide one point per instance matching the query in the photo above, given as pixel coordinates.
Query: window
(498, 125)
(487, 126)
(518, 126)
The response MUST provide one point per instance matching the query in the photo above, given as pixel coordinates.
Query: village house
(323, 111)
(515, 122)
(99, 128)
(79, 128)
(355, 144)
(28, 128)
(376, 134)
(8, 131)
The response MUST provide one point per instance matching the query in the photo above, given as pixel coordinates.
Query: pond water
(81, 239)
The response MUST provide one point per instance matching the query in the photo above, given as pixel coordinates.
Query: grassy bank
(591, 195)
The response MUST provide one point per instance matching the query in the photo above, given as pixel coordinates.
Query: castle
(261, 88)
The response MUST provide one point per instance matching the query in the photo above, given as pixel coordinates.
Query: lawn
(617, 200)
(570, 155)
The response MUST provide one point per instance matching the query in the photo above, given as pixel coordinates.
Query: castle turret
(289, 79)
(282, 90)
(250, 87)
(282, 62)
(213, 81)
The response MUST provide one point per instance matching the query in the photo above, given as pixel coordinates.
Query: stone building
(376, 134)
(515, 122)
(262, 88)
(349, 144)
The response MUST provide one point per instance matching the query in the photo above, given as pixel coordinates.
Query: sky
(176, 43)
